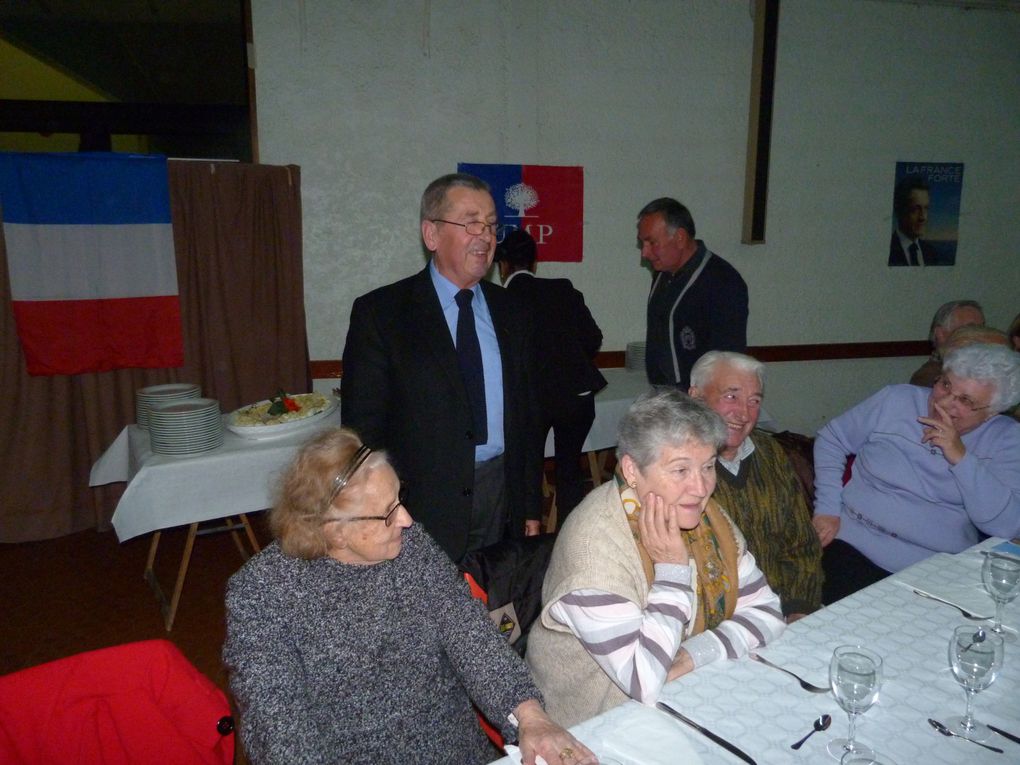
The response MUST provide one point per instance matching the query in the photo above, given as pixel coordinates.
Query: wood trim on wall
(328, 368)
(831, 351)
(249, 69)
(759, 127)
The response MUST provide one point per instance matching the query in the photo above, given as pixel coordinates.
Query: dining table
(164, 491)
(219, 486)
(213, 491)
(762, 711)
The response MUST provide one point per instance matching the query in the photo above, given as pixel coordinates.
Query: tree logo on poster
(521, 197)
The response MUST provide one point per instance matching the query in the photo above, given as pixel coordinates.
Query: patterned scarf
(712, 546)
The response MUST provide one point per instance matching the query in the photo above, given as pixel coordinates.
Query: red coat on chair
(133, 704)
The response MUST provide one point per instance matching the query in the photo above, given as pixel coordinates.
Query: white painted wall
(376, 99)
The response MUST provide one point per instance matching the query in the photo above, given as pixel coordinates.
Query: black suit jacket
(897, 257)
(566, 338)
(402, 391)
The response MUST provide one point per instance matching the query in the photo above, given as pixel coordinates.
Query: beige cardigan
(595, 550)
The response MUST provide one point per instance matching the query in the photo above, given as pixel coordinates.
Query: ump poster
(546, 201)
(926, 214)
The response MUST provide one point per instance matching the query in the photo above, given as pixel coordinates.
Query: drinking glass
(855, 674)
(975, 656)
(1001, 576)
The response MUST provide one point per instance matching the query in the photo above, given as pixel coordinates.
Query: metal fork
(803, 683)
(966, 614)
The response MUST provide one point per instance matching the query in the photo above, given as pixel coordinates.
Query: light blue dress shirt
(492, 364)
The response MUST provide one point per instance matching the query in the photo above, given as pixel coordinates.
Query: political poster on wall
(546, 201)
(926, 214)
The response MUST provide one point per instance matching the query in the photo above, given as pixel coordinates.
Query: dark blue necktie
(913, 254)
(469, 356)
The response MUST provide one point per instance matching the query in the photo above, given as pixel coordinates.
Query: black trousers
(570, 423)
(488, 505)
(847, 570)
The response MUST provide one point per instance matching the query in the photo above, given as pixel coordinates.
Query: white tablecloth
(763, 711)
(166, 491)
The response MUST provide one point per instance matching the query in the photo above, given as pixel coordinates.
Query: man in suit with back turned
(566, 341)
(438, 372)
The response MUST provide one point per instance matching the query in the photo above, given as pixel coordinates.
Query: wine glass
(855, 758)
(975, 656)
(1001, 576)
(855, 674)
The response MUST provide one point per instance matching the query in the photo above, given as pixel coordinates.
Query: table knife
(707, 733)
(1003, 733)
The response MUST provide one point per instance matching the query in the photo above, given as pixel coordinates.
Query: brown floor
(84, 591)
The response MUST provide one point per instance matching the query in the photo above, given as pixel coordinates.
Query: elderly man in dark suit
(438, 372)
(566, 341)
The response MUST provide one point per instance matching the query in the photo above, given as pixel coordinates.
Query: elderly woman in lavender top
(934, 470)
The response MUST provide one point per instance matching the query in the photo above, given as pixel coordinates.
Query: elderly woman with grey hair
(352, 638)
(649, 578)
(934, 470)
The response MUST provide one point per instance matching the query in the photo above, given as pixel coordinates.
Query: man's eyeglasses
(945, 387)
(474, 227)
(387, 519)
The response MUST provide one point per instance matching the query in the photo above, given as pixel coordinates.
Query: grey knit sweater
(334, 663)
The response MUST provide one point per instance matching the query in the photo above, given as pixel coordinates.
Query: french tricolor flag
(91, 260)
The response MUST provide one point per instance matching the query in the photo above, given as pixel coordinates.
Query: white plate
(259, 432)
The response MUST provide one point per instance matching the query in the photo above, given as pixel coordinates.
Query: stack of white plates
(635, 359)
(187, 426)
(145, 397)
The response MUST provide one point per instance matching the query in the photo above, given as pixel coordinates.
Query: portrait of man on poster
(926, 207)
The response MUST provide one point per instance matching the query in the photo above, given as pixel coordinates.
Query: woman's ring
(566, 754)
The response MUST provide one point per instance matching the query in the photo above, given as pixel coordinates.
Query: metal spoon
(977, 637)
(941, 728)
(822, 723)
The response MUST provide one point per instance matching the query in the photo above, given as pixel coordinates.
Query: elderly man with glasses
(438, 370)
(934, 469)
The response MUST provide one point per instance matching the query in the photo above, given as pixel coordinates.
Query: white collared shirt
(745, 450)
(492, 363)
(515, 273)
(905, 242)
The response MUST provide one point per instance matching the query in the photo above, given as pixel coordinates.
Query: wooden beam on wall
(886, 349)
(759, 126)
(30, 116)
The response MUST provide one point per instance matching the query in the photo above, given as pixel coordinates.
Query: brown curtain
(237, 236)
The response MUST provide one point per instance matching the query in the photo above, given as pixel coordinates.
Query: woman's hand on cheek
(659, 528)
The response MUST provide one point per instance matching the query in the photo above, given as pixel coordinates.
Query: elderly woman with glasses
(935, 468)
(649, 578)
(352, 638)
